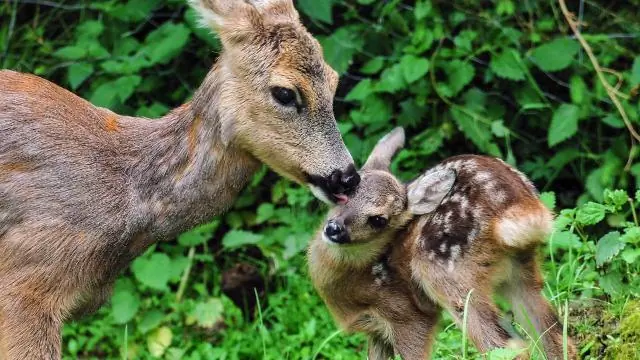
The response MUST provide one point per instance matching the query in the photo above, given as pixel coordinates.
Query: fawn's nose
(344, 182)
(336, 232)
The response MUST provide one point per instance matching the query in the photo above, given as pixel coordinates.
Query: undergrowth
(506, 78)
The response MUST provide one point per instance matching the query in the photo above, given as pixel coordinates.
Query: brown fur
(83, 191)
(468, 243)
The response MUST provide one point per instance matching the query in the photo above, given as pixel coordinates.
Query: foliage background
(501, 77)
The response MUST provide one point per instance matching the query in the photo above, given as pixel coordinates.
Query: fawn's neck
(184, 171)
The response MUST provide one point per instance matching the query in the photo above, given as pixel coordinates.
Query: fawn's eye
(378, 222)
(284, 96)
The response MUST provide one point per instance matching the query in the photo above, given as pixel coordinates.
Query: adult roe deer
(83, 190)
(394, 255)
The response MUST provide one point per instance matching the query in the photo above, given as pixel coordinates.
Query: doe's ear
(385, 149)
(427, 192)
(235, 17)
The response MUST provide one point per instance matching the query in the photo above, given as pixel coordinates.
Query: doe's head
(276, 100)
(382, 205)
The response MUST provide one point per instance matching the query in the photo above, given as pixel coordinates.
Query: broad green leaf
(460, 74)
(498, 129)
(564, 124)
(565, 240)
(590, 213)
(555, 55)
(134, 10)
(150, 320)
(631, 235)
(414, 67)
(71, 53)
(126, 85)
(614, 121)
(564, 219)
(392, 80)
(89, 30)
(548, 199)
(105, 95)
(360, 91)
(578, 89)
(208, 314)
(340, 47)
(373, 66)
(198, 235)
(505, 7)
(153, 271)
(237, 238)
(422, 9)
(611, 282)
(504, 354)
(164, 43)
(508, 65)
(608, 246)
(78, 73)
(618, 198)
(630, 255)
(265, 212)
(124, 305)
(478, 132)
(319, 10)
(159, 340)
(635, 71)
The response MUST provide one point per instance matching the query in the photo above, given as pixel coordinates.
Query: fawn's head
(382, 205)
(276, 100)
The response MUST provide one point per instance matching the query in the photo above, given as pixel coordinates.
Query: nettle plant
(601, 243)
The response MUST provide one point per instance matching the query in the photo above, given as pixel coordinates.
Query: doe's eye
(378, 222)
(284, 96)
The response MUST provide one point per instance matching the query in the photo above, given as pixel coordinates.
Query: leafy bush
(500, 77)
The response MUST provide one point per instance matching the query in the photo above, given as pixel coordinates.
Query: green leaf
(608, 246)
(340, 47)
(360, 91)
(548, 199)
(124, 305)
(159, 340)
(78, 73)
(631, 235)
(630, 255)
(134, 10)
(555, 55)
(508, 65)
(198, 235)
(590, 213)
(104, 95)
(126, 85)
(71, 53)
(237, 238)
(373, 66)
(635, 71)
(618, 198)
(614, 121)
(478, 132)
(319, 10)
(611, 282)
(164, 43)
(578, 89)
(564, 124)
(413, 67)
(153, 271)
(565, 240)
(504, 354)
(498, 129)
(460, 74)
(208, 314)
(422, 9)
(150, 320)
(392, 80)
(265, 212)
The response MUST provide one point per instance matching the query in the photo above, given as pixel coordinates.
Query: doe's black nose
(344, 182)
(336, 232)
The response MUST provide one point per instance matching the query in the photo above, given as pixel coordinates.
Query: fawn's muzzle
(336, 232)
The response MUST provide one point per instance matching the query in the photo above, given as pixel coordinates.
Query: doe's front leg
(27, 332)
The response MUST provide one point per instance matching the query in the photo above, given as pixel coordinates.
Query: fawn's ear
(233, 20)
(385, 149)
(426, 192)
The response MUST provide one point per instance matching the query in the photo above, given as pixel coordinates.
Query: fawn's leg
(379, 349)
(532, 311)
(413, 341)
(451, 287)
(28, 332)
